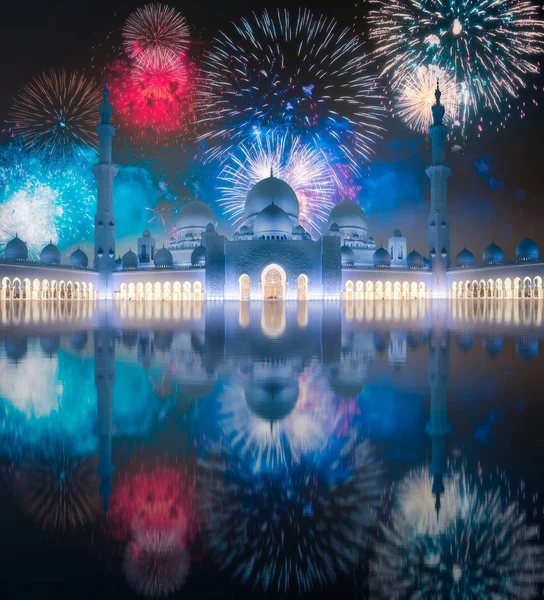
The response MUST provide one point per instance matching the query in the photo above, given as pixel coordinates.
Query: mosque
(271, 256)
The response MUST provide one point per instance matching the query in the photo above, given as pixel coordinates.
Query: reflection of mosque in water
(293, 463)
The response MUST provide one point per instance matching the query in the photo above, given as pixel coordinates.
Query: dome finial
(271, 171)
(437, 93)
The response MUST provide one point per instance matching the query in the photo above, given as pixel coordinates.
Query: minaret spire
(439, 220)
(104, 172)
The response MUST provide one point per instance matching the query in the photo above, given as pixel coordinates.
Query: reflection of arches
(422, 291)
(148, 291)
(273, 281)
(302, 287)
(244, 282)
(197, 291)
(360, 290)
(177, 290)
(167, 291)
(413, 290)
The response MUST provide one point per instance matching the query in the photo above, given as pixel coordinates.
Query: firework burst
(415, 97)
(300, 165)
(488, 47)
(156, 33)
(45, 198)
(56, 113)
(483, 548)
(296, 530)
(294, 71)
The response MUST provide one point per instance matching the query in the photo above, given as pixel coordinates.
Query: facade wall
(252, 257)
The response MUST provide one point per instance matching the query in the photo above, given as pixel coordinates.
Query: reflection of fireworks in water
(44, 199)
(488, 46)
(58, 490)
(272, 442)
(295, 530)
(416, 97)
(484, 551)
(156, 32)
(155, 563)
(300, 165)
(297, 71)
(57, 112)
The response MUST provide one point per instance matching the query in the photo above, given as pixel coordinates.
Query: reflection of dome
(50, 343)
(16, 249)
(198, 256)
(16, 348)
(348, 215)
(50, 255)
(493, 345)
(271, 189)
(271, 400)
(527, 250)
(347, 255)
(78, 340)
(414, 260)
(493, 255)
(527, 348)
(381, 258)
(465, 258)
(163, 258)
(130, 260)
(195, 214)
(78, 258)
(465, 341)
(345, 382)
(273, 220)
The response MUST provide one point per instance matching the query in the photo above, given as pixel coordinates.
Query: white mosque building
(271, 256)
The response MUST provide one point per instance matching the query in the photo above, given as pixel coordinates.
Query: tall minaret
(438, 427)
(104, 221)
(104, 375)
(439, 221)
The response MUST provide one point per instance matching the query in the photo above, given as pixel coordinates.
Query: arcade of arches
(378, 290)
(273, 280)
(498, 288)
(161, 291)
(45, 289)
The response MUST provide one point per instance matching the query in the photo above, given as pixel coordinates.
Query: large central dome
(195, 214)
(266, 190)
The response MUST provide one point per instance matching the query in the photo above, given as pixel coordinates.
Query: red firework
(158, 499)
(154, 98)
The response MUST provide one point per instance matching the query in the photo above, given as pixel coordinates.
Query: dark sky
(499, 200)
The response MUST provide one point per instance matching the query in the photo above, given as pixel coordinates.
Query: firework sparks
(483, 545)
(488, 47)
(293, 71)
(44, 199)
(56, 113)
(156, 33)
(416, 97)
(293, 531)
(300, 165)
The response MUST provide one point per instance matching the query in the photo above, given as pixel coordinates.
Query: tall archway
(244, 287)
(302, 287)
(273, 281)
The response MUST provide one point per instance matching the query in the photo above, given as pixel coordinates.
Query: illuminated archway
(349, 290)
(273, 281)
(302, 287)
(244, 283)
(197, 291)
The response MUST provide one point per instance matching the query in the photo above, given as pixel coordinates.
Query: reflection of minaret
(104, 223)
(438, 427)
(439, 220)
(104, 375)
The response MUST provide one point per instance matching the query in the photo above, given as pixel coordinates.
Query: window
(391, 252)
(400, 253)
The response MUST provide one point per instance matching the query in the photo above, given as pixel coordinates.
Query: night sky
(494, 190)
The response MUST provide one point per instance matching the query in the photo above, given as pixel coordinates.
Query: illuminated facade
(271, 256)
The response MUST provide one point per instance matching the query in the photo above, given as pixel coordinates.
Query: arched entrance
(244, 287)
(273, 281)
(302, 287)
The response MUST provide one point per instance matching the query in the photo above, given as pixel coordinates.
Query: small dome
(78, 258)
(130, 260)
(426, 263)
(163, 258)
(348, 214)
(245, 230)
(198, 256)
(195, 214)
(299, 230)
(210, 227)
(493, 255)
(118, 262)
(146, 233)
(50, 255)
(381, 258)
(271, 189)
(414, 260)
(465, 258)
(347, 255)
(397, 233)
(527, 250)
(273, 220)
(16, 249)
